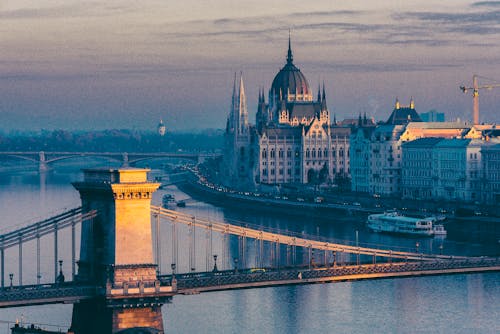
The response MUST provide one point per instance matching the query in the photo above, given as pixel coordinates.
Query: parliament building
(293, 141)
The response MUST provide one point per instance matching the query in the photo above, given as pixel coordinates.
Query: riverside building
(293, 141)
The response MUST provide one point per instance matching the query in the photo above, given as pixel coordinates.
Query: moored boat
(394, 222)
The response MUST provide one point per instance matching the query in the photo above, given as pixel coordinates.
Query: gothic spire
(289, 57)
(242, 107)
(324, 95)
(319, 92)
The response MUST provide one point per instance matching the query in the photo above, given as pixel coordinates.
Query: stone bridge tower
(117, 251)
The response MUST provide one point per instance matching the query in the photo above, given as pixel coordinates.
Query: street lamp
(60, 277)
(417, 244)
(441, 249)
(215, 264)
(235, 264)
(11, 276)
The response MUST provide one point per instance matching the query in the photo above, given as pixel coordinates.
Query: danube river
(439, 304)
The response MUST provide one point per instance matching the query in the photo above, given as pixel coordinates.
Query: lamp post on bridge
(215, 263)
(11, 277)
(60, 277)
(417, 245)
(235, 265)
(174, 280)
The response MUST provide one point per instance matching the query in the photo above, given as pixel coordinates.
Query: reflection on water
(460, 303)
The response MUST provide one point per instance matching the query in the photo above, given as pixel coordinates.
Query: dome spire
(289, 57)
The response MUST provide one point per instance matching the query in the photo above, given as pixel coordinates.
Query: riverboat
(394, 222)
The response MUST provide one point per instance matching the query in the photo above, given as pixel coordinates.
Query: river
(434, 304)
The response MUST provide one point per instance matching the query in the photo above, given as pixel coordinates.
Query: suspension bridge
(134, 257)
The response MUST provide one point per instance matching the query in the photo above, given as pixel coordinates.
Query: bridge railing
(46, 293)
(299, 274)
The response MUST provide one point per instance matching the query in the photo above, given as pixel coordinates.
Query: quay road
(194, 283)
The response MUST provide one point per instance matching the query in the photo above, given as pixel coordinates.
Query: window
(289, 171)
(313, 153)
(281, 171)
(319, 153)
(308, 154)
(272, 171)
(264, 154)
(264, 171)
(280, 153)
(325, 153)
(289, 153)
(272, 154)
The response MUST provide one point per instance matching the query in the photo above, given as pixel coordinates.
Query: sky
(71, 64)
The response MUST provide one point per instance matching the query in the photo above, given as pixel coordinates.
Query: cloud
(483, 17)
(76, 9)
(486, 4)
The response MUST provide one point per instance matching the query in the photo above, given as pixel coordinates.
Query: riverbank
(479, 229)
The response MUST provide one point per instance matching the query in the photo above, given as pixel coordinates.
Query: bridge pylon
(117, 252)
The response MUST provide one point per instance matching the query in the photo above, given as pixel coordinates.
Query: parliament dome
(290, 82)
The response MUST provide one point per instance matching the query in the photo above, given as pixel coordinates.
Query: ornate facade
(293, 140)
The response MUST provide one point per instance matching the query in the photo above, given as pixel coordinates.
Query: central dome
(290, 83)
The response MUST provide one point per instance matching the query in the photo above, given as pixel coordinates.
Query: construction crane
(475, 94)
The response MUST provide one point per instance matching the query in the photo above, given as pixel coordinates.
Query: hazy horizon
(69, 64)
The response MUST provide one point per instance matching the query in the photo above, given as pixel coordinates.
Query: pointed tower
(237, 150)
(242, 109)
(289, 56)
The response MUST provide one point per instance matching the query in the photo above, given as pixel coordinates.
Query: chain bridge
(134, 257)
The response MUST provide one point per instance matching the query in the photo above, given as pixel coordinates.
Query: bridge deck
(201, 282)
(194, 283)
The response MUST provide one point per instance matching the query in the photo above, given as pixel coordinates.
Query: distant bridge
(44, 158)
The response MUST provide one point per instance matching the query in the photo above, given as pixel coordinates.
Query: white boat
(439, 230)
(394, 222)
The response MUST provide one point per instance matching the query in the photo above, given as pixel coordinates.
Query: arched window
(325, 153)
(319, 153)
(280, 153)
(313, 153)
(264, 154)
(272, 153)
(308, 153)
(289, 153)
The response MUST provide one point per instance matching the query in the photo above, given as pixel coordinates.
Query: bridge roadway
(194, 283)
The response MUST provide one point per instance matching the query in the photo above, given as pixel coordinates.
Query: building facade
(491, 173)
(293, 140)
(449, 169)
